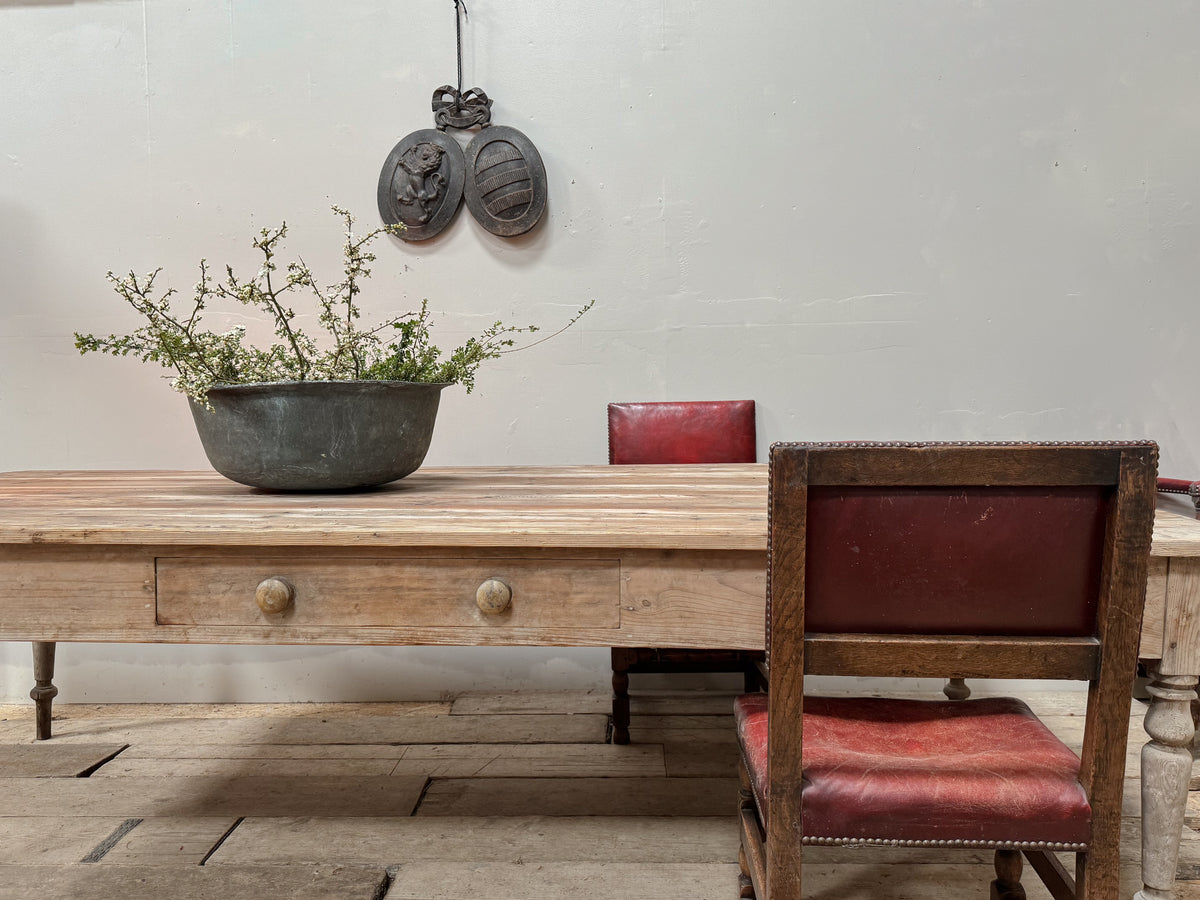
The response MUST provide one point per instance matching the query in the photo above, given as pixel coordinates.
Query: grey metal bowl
(317, 435)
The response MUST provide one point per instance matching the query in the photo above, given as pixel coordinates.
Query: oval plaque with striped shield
(506, 182)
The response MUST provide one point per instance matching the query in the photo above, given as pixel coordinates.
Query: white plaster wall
(934, 219)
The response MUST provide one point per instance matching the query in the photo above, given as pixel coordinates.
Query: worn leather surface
(983, 560)
(709, 431)
(1180, 486)
(981, 770)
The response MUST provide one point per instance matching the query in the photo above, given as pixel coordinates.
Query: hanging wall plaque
(426, 174)
(505, 186)
(422, 183)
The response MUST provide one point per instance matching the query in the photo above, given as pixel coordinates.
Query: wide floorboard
(483, 797)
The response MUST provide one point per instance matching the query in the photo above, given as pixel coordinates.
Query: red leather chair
(708, 431)
(1002, 561)
(700, 432)
(1180, 486)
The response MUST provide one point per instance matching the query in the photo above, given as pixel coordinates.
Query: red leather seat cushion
(913, 770)
(707, 431)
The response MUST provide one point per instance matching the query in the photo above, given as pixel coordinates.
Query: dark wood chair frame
(770, 857)
(674, 661)
(628, 661)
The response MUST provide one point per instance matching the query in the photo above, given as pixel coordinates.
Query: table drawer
(388, 592)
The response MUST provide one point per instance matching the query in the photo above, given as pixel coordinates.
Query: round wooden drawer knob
(493, 596)
(274, 594)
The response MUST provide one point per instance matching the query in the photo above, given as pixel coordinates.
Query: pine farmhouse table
(605, 556)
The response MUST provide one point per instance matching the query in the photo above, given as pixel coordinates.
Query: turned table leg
(44, 691)
(1166, 771)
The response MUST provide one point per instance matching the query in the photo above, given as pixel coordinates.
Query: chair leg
(745, 882)
(753, 677)
(956, 689)
(751, 856)
(1007, 885)
(620, 700)
(749, 680)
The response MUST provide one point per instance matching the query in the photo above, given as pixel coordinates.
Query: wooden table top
(1176, 527)
(654, 507)
(687, 507)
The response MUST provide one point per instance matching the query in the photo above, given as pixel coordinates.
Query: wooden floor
(487, 797)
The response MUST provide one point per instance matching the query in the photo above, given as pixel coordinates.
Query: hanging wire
(458, 4)
(462, 110)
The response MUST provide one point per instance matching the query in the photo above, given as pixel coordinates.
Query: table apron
(384, 596)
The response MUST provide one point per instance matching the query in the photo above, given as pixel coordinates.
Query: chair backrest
(1181, 486)
(971, 560)
(707, 431)
(959, 560)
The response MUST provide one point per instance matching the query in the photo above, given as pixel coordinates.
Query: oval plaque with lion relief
(422, 183)
(506, 182)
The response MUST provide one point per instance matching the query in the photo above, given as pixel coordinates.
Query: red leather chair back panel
(715, 431)
(934, 560)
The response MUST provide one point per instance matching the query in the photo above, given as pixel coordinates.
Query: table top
(707, 507)
(1176, 527)
(700, 507)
